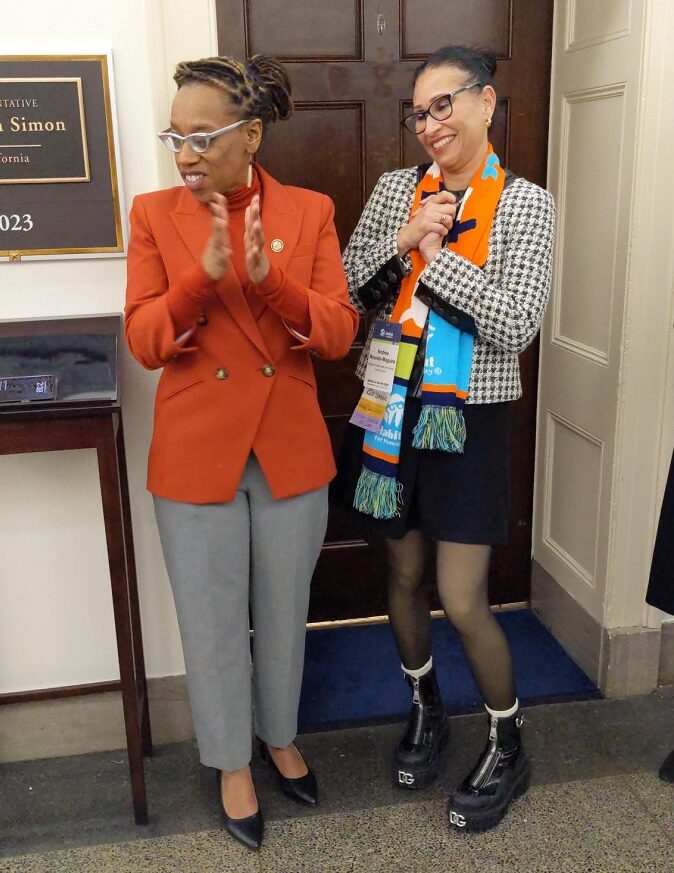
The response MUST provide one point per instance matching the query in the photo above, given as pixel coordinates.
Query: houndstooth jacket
(502, 303)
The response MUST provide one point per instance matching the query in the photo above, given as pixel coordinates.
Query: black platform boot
(500, 775)
(417, 758)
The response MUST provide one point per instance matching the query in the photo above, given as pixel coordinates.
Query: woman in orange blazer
(233, 279)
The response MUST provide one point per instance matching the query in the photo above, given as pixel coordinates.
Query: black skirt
(661, 583)
(450, 497)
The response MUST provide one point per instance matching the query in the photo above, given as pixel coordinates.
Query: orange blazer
(235, 377)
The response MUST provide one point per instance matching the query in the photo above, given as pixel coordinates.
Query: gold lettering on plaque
(18, 103)
(37, 135)
(23, 126)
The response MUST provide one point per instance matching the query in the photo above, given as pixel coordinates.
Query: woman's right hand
(218, 252)
(430, 246)
(435, 215)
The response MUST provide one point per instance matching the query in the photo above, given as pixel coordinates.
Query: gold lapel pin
(277, 245)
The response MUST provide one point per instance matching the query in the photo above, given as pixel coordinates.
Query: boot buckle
(405, 778)
(457, 819)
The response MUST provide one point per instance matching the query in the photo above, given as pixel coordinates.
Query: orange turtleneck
(259, 296)
(238, 201)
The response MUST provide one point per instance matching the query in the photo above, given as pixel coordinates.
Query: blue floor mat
(352, 674)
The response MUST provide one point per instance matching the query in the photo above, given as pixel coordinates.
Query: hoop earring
(249, 181)
(487, 121)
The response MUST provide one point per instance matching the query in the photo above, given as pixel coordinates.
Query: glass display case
(60, 362)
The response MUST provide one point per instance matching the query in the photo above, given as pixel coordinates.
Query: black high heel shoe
(303, 789)
(249, 830)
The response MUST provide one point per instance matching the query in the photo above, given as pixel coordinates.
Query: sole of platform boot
(472, 819)
(415, 777)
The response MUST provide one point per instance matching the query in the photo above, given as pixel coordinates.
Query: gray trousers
(220, 558)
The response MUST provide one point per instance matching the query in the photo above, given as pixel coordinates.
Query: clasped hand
(428, 226)
(217, 255)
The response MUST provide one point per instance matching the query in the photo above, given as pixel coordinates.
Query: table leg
(139, 659)
(109, 474)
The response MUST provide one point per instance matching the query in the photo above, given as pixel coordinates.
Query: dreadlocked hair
(260, 85)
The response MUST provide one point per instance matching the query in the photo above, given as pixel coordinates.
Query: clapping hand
(218, 252)
(257, 261)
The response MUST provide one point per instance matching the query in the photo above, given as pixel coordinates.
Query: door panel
(293, 31)
(351, 70)
(427, 25)
(339, 127)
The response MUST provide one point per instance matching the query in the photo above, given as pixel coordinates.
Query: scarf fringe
(440, 427)
(377, 495)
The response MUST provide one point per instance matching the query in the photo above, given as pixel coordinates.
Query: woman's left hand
(257, 261)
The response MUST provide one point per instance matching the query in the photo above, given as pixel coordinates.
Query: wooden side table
(99, 426)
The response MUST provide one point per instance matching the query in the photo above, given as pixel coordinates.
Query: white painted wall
(56, 625)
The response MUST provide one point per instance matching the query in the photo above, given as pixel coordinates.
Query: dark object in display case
(60, 362)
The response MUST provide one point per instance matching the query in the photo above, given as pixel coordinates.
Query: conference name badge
(379, 373)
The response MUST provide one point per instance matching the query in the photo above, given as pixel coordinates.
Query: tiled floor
(595, 805)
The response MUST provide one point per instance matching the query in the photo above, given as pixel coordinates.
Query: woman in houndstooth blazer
(459, 502)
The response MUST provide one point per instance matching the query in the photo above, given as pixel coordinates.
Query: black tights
(462, 585)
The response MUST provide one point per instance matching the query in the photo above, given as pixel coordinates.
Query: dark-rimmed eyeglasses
(198, 142)
(440, 109)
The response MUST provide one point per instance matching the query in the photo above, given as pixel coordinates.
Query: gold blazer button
(268, 370)
(221, 373)
(277, 245)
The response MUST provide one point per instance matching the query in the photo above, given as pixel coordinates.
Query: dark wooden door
(350, 63)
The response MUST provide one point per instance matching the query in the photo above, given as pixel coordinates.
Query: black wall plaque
(58, 174)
